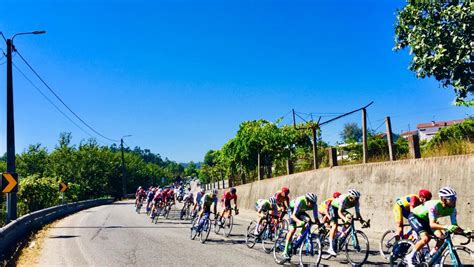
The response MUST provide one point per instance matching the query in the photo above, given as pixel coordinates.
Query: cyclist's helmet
(285, 190)
(203, 190)
(354, 193)
(215, 192)
(273, 201)
(424, 193)
(447, 192)
(311, 197)
(336, 194)
(233, 190)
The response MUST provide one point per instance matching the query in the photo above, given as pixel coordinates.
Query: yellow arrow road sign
(63, 187)
(11, 182)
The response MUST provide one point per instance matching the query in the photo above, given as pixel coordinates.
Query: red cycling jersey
(281, 198)
(229, 196)
(158, 196)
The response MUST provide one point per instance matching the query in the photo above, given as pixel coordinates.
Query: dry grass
(454, 147)
(30, 253)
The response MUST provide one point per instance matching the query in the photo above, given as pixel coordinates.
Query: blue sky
(180, 76)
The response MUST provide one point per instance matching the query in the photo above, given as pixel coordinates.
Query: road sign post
(63, 187)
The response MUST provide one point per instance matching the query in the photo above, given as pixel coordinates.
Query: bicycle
(353, 242)
(307, 245)
(139, 206)
(201, 227)
(447, 254)
(268, 231)
(388, 240)
(225, 222)
(185, 211)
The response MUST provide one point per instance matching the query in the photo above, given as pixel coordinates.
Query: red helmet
(424, 193)
(336, 194)
(285, 190)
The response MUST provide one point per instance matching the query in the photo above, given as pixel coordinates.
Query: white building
(426, 131)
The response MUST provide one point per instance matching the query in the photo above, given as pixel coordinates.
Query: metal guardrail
(17, 229)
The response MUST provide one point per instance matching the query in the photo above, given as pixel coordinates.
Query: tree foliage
(439, 34)
(351, 133)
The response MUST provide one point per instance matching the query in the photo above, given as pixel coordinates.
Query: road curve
(114, 235)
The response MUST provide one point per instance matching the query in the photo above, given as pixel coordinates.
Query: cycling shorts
(227, 204)
(302, 216)
(419, 225)
(400, 212)
(333, 214)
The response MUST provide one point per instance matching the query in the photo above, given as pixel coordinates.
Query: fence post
(315, 148)
(414, 144)
(289, 167)
(332, 156)
(365, 150)
(390, 139)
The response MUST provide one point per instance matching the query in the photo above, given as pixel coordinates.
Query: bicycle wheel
(386, 243)
(324, 239)
(194, 230)
(357, 248)
(228, 225)
(206, 229)
(268, 238)
(218, 224)
(310, 251)
(250, 236)
(399, 251)
(279, 248)
(465, 257)
(284, 224)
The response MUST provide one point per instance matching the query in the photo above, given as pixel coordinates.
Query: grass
(449, 148)
(29, 254)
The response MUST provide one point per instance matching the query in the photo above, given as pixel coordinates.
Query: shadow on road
(224, 242)
(63, 236)
(117, 227)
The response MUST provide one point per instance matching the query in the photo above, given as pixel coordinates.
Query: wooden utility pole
(365, 150)
(390, 139)
(414, 146)
(315, 147)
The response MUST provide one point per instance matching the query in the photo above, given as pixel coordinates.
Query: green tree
(351, 133)
(439, 34)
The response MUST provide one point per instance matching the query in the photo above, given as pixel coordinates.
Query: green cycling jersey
(433, 210)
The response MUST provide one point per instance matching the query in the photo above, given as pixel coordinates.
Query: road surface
(115, 235)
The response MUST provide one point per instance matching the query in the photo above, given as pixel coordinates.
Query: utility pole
(11, 158)
(124, 188)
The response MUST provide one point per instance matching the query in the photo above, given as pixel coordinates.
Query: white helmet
(311, 197)
(273, 200)
(203, 190)
(447, 192)
(354, 193)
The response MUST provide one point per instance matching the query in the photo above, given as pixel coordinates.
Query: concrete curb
(11, 233)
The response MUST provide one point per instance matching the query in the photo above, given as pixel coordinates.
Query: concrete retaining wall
(379, 183)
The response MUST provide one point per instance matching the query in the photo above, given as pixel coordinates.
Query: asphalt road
(115, 235)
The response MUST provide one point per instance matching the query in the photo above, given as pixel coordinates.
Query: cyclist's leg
(289, 236)
(423, 229)
(398, 217)
(333, 212)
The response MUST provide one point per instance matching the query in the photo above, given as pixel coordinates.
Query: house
(427, 130)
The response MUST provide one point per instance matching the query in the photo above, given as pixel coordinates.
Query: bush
(35, 193)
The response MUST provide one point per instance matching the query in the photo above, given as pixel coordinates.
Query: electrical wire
(60, 100)
(52, 103)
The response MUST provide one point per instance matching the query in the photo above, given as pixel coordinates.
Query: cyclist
(149, 198)
(206, 201)
(157, 200)
(338, 210)
(283, 200)
(226, 199)
(299, 217)
(188, 198)
(197, 201)
(404, 206)
(323, 208)
(424, 220)
(265, 207)
(140, 196)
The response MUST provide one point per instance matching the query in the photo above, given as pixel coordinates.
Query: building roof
(437, 124)
(414, 132)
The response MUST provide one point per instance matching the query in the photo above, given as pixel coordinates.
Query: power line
(54, 93)
(51, 102)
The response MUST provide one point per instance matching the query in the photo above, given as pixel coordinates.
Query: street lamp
(11, 197)
(124, 187)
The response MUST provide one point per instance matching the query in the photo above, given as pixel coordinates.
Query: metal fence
(11, 233)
